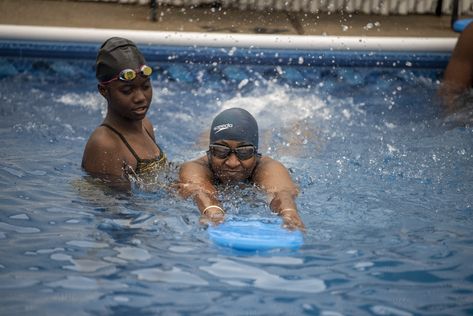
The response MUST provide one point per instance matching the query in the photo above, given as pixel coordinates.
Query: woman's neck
(119, 122)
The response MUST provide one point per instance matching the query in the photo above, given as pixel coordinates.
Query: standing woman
(124, 145)
(458, 76)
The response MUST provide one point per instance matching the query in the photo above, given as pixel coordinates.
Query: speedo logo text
(222, 127)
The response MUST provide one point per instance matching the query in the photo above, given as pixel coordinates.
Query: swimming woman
(124, 145)
(233, 158)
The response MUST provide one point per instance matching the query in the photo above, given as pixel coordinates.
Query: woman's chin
(229, 179)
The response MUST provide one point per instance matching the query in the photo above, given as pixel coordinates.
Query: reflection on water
(385, 184)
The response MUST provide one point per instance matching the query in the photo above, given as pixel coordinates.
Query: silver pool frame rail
(258, 41)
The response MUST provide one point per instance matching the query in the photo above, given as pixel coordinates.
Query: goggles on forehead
(130, 74)
(242, 153)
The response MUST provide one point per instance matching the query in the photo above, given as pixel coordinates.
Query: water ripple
(175, 275)
(81, 265)
(84, 283)
(87, 244)
(133, 253)
(19, 229)
(232, 273)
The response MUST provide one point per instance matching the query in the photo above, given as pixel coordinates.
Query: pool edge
(335, 43)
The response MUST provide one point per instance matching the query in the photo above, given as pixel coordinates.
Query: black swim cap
(117, 54)
(234, 124)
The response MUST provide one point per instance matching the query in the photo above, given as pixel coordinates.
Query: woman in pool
(124, 145)
(458, 76)
(233, 158)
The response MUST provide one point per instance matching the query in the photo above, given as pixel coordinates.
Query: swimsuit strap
(149, 134)
(157, 145)
(138, 159)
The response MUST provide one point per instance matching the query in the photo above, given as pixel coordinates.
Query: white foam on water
(279, 105)
(90, 101)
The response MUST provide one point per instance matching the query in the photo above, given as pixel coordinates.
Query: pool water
(386, 195)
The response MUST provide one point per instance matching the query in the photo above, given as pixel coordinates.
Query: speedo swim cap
(234, 124)
(115, 55)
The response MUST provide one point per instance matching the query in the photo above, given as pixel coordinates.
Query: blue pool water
(386, 190)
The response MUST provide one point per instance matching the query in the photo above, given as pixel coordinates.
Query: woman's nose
(232, 161)
(139, 96)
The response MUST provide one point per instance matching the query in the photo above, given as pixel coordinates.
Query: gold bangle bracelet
(204, 212)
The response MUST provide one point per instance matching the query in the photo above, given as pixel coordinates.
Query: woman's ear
(103, 90)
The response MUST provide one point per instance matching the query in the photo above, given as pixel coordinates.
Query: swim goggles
(130, 74)
(242, 153)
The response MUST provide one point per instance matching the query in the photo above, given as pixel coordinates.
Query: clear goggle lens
(242, 153)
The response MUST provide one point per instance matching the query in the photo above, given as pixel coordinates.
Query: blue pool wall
(233, 55)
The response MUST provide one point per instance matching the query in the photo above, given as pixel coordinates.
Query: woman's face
(232, 169)
(129, 100)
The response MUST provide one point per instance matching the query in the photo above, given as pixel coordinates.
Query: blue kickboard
(254, 235)
(460, 25)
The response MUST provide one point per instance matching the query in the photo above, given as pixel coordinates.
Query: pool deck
(108, 15)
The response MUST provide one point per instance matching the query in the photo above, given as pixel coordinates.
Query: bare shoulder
(102, 153)
(199, 166)
(269, 164)
(102, 139)
(269, 168)
(273, 176)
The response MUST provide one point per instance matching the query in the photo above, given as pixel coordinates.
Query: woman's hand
(291, 219)
(212, 214)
